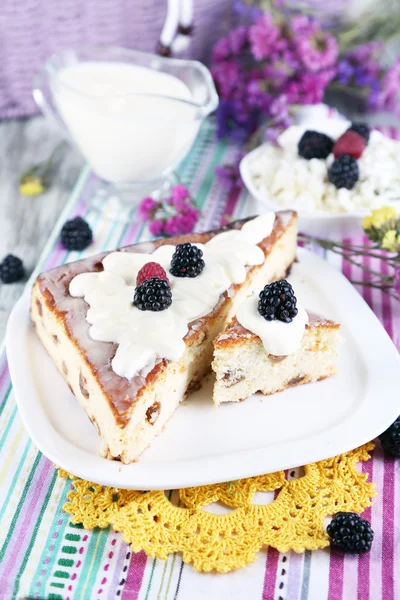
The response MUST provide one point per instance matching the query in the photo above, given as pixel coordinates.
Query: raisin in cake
(273, 343)
(131, 349)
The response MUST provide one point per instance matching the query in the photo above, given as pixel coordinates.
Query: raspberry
(149, 270)
(351, 143)
(314, 145)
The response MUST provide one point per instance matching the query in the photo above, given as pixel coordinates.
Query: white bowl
(318, 224)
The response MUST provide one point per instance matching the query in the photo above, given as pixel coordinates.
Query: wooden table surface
(26, 223)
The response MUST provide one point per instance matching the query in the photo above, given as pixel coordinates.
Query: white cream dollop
(278, 338)
(143, 336)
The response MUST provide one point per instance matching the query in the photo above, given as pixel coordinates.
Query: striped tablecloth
(42, 555)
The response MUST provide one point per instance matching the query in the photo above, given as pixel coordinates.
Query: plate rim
(226, 467)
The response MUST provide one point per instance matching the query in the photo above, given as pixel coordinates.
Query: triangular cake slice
(130, 368)
(254, 354)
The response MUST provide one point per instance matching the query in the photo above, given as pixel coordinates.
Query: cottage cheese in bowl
(278, 177)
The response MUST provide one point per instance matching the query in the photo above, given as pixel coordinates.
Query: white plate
(320, 224)
(202, 444)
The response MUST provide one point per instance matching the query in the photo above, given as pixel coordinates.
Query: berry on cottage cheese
(283, 177)
(351, 143)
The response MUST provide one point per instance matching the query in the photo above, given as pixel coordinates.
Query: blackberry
(187, 261)
(315, 145)
(277, 301)
(153, 294)
(361, 128)
(11, 269)
(350, 533)
(344, 172)
(390, 439)
(76, 234)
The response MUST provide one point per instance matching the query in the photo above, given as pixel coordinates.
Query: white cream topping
(278, 338)
(285, 178)
(145, 336)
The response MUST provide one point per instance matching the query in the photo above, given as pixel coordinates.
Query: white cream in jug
(125, 134)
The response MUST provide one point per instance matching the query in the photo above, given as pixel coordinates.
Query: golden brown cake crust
(56, 283)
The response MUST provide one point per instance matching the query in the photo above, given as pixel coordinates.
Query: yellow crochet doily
(294, 520)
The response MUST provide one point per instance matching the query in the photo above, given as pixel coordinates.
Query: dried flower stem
(349, 252)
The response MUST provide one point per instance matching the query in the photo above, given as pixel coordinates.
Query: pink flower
(183, 223)
(146, 207)
(279, 107)
(156, 227)
(263, 37)
(396, 281)
(301, 23)
(188, 221)
(391, 88)
(173, 225)
(179, 193)
(315, 49)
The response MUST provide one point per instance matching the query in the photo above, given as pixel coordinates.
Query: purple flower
(230, 45)
(246, 10)
(256, 96)
(229, 174)
(221, 50)
(156, 227)
(261, 70)
(345, 71)
(361, 68)
(396, 281)
(146, 208)
(365, 52)
(391, 87)
(238, 39)
(235, 123)
(226, 76)
(272, 132)
(263, 37)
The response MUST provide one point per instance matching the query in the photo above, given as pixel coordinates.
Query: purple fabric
(32, 30)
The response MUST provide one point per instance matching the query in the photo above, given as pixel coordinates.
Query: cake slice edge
(242, 366)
